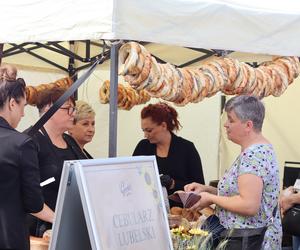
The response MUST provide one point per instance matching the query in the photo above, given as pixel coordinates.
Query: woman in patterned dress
(247, 195)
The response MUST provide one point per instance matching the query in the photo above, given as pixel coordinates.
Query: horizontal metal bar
(105, 57)
(42, 58)
(205, 51)
(54, 49)
(198, 59)
(17, 47)
(68, 52)
(292, 162)
(17, 50)
(158, 59)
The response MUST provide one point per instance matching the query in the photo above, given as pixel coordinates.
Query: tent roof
(55, 20)
(256, 27)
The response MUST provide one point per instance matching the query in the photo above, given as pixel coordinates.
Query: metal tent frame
(108, 50)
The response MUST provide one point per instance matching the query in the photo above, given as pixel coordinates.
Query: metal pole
(1, 52)
(113, 99)
(71, 67)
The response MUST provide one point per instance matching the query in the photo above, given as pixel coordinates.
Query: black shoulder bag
(291, 221)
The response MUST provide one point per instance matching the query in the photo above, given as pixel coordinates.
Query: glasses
(70, 109)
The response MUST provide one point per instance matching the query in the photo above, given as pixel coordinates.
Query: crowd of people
(248, 203)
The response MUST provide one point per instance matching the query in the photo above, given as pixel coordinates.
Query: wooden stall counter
(37, 243)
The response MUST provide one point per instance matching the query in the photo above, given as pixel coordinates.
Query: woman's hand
(167, 181)
(285, 204)
(285, 200)
(46, 214)
(198, 188)
(195, 187)
(205, 201)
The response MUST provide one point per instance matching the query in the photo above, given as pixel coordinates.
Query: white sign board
(123, 204)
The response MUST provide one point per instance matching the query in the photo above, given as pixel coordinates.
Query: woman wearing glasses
(55, 147)
(178, 160)
(20, 190)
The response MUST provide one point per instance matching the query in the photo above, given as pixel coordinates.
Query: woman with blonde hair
(83, 130)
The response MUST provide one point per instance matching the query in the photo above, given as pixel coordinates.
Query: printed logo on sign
(125, 188)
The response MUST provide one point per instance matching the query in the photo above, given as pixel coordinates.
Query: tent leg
(113, 105)
(1, 52)
(71, 68)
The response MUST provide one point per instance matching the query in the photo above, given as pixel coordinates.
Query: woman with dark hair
(55, 147)
(178, 161)
(247, 195)
(20, 190)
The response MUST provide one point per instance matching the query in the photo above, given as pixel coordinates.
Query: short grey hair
(247, 108)
(83, 110)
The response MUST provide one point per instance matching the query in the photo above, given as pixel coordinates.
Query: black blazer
(183, 162)
(20, 190)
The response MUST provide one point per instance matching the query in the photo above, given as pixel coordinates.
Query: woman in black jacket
(178, 161)
(55, 147)
(20, 190)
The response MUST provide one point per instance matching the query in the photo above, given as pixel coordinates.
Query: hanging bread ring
(104, 92)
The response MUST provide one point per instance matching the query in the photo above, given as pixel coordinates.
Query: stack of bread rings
(8, 72)
(190, 215)
(32, 91)
(127, 96)
(184, 85)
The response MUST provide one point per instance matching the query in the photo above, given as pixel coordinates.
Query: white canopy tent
(269, 27)
(257, 27)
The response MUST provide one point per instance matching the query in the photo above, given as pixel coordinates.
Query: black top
(20, 190)
(183, 162)
(51, 161)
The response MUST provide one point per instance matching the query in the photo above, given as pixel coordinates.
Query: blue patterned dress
(260, 160)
